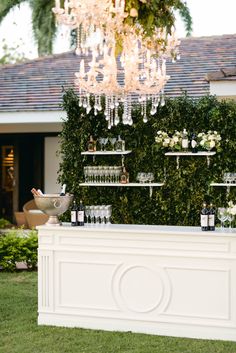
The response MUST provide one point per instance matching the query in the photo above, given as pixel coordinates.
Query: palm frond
(6, 6)
(44, 27)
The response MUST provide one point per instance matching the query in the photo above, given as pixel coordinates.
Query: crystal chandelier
(119, 61)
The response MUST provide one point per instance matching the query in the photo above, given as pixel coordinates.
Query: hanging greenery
(179, 201)
(151, 14)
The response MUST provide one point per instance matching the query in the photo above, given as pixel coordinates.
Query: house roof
(222, 75)
(36, 85)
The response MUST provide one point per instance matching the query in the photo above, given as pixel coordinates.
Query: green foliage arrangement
(151, 14)
(4, 223)
(17, 246)
(179, 201)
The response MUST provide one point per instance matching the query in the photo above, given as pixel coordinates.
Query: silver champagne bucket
(53, 205)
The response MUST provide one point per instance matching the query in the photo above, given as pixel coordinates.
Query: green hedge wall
(179, 201)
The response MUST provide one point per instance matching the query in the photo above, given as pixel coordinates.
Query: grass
(19, 332)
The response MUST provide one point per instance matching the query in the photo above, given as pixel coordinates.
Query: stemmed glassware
(230, 218)
(150, 177)
(222, 216)
(87, 212)
(108, 214)
(92, 215)
(98, 214)
(102, 174)
(112, 141)
(105, 140)
(229, 178)
(145, 177)
(101, 141)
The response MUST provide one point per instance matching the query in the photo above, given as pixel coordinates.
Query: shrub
(18, 246)
(4, 223)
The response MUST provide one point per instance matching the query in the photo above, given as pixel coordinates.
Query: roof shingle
(37, 84)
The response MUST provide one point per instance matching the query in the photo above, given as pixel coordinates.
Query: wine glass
(101, 142)
(222, 216)
(112, 141)
(230, 218)
(150, 177)
(107, 211)
(227, 177)
(102, 214)
(100, 173)
(86, 170)
(87, 214)
(97, 214)
(92, 215)
(139, 177)
(105, 140)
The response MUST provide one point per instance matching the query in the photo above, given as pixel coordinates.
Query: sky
(210, 17)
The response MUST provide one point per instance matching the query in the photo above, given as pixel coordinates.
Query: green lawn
(19, 332)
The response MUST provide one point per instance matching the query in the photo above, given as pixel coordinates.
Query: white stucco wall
(223, 88)
(27, 122)
(51, 165)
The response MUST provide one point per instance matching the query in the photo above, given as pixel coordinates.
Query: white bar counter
(163, 280)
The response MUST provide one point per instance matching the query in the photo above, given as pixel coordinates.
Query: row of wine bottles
(77, 214)
(207, 217)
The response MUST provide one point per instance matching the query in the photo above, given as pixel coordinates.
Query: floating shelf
(190, 154)
(120, 184)
(184, 154)
(150, 185)
(103, 153)
(223, 184)
(227, 185)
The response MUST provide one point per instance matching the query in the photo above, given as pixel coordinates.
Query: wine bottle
(204, 217)
(73, 214)
(91, 144)
(194, 143)
(185, 140)
(211, 218)
(63, 190)
(120, 144)
(80, 214)
(124, 176)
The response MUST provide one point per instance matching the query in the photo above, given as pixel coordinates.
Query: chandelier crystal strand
(118, 60)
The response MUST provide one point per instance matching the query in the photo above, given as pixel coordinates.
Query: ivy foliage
(179, 201)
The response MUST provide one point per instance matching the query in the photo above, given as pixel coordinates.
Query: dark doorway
(22, 166)
(7, 180)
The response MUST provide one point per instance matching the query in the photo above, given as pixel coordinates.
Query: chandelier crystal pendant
(118, 60)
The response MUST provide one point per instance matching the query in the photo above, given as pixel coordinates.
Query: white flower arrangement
(162, 139)
(231, 208)
(210, 140)
(176, 141)
(205, 140)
